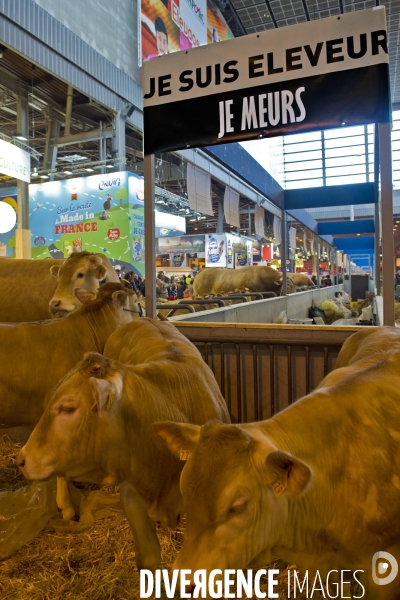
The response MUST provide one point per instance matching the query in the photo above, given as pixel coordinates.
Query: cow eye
(80, 275)
(236, 509)
(67, 409)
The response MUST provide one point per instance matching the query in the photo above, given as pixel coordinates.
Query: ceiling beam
(306, 9)
(85, 136)
(47, 78)
(271, 14)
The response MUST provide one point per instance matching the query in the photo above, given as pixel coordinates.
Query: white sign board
(319, 74)
(168, 221)
(15, 162)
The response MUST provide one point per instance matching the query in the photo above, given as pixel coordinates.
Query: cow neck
(295, 432)
(292, 429)
(99, 322)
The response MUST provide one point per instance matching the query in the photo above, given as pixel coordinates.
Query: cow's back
(171, 370)
(205, 280)
(35, 355)
(301, 279)
(255, 279)
(26, 288)
(368, 342)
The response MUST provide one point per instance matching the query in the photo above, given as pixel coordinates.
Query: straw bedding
(95, 564)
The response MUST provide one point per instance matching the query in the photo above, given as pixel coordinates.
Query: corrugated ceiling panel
(63, 53)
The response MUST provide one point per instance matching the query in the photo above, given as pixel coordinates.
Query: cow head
(117, 294)
(77, 435)
(81, 270)
(236, 487)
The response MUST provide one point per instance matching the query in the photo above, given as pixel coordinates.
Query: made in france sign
(315, 75)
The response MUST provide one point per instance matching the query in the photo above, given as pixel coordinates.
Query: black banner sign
(312, 76)
(353, 97)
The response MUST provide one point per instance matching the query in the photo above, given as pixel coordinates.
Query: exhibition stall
(98, 213)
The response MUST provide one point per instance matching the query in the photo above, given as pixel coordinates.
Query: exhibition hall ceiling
(47, 101)
(259, 15)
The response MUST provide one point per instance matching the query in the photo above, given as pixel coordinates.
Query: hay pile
(95, 564)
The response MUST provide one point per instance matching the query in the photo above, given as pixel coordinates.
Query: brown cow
(317, 485)
(366, 342)
(301, 279)
(28, 287)
(98, 424)
(34, 356)
(257, 279)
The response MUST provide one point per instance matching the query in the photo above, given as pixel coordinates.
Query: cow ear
(54, 270)
(104, 395)
(100, 272)
(95, 260)
(94, 364)
(288, 474)
(120, 298)
(278, 281)
(84, 296)
(179, 437)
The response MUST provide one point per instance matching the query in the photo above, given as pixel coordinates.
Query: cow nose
(54, 305)
(21, 460)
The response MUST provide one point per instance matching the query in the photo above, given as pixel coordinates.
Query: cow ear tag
(279, 487)
(184, 454)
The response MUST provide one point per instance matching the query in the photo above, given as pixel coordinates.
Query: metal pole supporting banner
(377, 245)
(318, 269)
(68, 110)
(283, 252)
(385, 152)
(149, 237)
(119, 142)
(220, 221)
(23, 233)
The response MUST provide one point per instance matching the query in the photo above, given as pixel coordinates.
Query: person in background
(161, 289)
(327, 281)
(188, 280)
(129, 281)
(142, 287)
(158, 288)
(181, 287)
(314, 280)
(161, 275)
(173, 289)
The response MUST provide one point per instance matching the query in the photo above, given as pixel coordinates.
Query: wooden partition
(261, 369)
